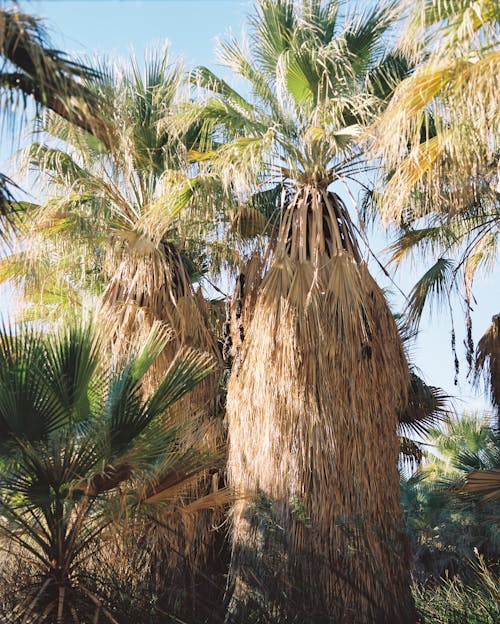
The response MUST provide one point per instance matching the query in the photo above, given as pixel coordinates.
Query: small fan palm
(80, 446)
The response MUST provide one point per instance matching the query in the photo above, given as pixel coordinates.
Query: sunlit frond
(437, 282)
(455, 87)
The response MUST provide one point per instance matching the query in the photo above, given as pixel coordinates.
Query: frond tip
(437, 282)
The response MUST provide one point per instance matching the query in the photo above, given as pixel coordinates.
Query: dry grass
(312, 414)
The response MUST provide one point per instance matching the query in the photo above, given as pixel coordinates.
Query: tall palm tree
(313, 398)
(31, 69)
(80, 445)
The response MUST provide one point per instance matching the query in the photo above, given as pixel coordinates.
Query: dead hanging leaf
(488, 359)
(247, 221)
(483, 482)
(319, 387)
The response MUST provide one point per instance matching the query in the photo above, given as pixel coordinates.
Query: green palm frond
(273, 25)
(437, 282)
(383, 79)
(417, 240)
(42, 72)
(364, 35)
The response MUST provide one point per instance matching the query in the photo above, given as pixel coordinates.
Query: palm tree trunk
(312, 413)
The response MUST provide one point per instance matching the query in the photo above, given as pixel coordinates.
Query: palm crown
(316, 77)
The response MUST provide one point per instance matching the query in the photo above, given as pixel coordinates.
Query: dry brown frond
(312, 413)
(488, 360)
(483, 482)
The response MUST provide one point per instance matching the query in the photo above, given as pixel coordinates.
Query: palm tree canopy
(438, 139)
(441, 127)
(316, 76)
(107, 200)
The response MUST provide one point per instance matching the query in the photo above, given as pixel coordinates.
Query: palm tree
(439, 145)
(447, 525)
(109, 235)
(32, 69)
(82, 448)
(313, 398)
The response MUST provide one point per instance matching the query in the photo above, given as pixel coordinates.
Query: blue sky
(117, 28)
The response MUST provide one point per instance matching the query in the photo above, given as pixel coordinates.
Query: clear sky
(115, 28)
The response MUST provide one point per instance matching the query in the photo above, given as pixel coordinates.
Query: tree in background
(448, 525)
